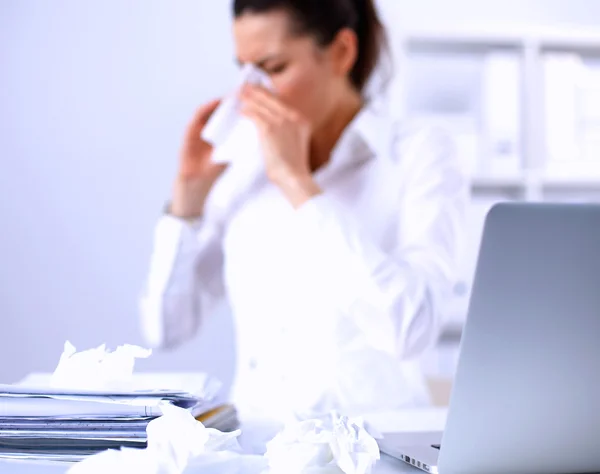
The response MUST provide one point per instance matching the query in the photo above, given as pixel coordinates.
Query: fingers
(260, 113)
(202, 115)
(206, 110)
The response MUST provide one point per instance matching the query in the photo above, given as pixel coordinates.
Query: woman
(336, 262)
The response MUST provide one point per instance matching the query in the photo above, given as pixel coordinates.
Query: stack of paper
(69, 425)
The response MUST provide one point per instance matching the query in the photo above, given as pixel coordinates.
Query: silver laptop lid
(526, 396)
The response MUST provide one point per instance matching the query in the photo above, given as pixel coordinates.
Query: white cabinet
(523, 107)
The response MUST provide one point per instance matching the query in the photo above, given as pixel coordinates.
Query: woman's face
(305, 76)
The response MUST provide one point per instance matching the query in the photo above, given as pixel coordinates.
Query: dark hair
(325, 18)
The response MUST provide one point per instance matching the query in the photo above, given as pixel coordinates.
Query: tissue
(178, 436)
(300, 447)
(234, 137)
(96, 369)
(125, 461)
(316, 447)
(174, 440)
(354, 449)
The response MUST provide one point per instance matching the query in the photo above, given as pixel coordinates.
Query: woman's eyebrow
(261, 62)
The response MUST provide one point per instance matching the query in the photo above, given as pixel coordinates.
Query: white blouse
(333, 302)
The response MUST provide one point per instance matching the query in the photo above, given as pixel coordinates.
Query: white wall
(487, 12)
(93, 100)
(94, 97)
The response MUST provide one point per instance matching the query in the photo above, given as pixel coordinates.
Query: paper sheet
(234, 137)
(68, 416)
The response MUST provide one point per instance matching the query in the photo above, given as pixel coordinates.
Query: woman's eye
(278, 69)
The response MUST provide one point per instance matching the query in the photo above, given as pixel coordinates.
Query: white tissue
(234, 137)
(179, 434)
(354, 449)
(96, 369)
(313, 447)
(174, 440)
(125, 461)
(300, 446)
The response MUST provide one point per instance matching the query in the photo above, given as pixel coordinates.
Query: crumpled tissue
(98, 368)
(313, 447)
(174, 440)
(235, 137)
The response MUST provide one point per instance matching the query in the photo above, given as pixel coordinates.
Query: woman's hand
(285, 138)
(197, 172)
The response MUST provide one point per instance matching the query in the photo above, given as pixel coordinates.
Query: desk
(385, 466)
(410, 420)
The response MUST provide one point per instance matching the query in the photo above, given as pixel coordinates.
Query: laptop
(526, 395)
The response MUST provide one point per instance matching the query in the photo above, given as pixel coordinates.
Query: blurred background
(94, 98)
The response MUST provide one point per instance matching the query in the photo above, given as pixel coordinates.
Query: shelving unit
(532, 181)
(530, 44)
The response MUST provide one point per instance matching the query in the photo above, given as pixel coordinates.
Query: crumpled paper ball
(318, 447)
(354, 449)
(179, 437)
(174, 441)
(98, 368)
(300, 446)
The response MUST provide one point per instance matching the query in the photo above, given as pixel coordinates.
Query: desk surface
(386, 465)
(414, 420)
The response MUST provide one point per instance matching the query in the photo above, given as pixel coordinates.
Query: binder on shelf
(501, 114)
(560, 72)
(572, 111)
